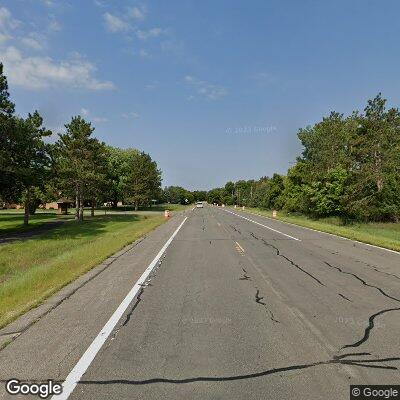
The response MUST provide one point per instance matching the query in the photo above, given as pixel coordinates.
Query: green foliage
(7, 107)
(143, 180)
(350, 168)
(179, 195)
(81, 161)
(119, 162)
(78, 166)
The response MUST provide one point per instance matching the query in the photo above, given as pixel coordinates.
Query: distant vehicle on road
(199, 204)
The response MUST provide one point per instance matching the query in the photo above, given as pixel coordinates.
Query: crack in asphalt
(383, 272)
(346, 298)
(340, 356)
(372, 317)
(143, 285)
(138, 300)
(369, 328)
(259, 298)
(259, 301)
(335, 360)
(244, 277)
(235, 229)
(278, 253)
(374, 267)
(342, 359)
(362, 281)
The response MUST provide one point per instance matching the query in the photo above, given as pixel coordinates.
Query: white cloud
(144, 54)
(265, 78)
(85, 111)
(4, 38)
(151, 33)
(100, 3)
(48, 2)
(137, 13)
(205, 89)
(99, 119)
(7, 22)
(54, 26)
(151, 86)
(114, 23)
(34, 41)
(130, 115)
(43, 72)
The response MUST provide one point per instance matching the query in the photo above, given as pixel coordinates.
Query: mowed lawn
(379, 234)
(33, 269)
(12, 220)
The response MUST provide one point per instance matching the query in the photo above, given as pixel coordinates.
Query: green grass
(11, 221)
(33, 269)
(380, 234)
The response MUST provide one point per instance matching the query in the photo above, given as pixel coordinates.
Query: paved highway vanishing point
(217, 304)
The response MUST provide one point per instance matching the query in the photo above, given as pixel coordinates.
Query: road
(238, 307)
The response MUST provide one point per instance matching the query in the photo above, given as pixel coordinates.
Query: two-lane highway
(243, 307)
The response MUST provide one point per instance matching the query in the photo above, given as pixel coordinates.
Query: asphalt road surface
(237, 307)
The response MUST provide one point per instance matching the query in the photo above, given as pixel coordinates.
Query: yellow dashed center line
(239, 248)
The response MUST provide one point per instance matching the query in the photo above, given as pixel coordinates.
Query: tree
(6, 138)
(7, 107)
(373, 190)
(34, 163)
(143, 181)
(29, 164)
(119, 165)
(80, 163)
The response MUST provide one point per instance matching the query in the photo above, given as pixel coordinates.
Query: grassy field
(380, 234)
(11, 221)
(33, 269)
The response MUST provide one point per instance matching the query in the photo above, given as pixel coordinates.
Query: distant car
(199, 204)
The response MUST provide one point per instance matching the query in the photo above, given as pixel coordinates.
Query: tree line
(77, 166)
(349, 168)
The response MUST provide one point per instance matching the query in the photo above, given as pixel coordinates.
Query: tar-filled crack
(370, 327)
(138, 300)
(344, 297)
(376, 363)
(259, 299)
(279, 254)
(244, 277)
(142, 285)
(362, 281)
(382, 272)
(372, 317)
(235, 229)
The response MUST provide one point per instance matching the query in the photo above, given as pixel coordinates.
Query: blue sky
(213, 90)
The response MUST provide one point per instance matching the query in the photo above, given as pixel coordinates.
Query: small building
(63, 205)
(51, 206)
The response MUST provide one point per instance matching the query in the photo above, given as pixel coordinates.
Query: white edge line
(83, 364)
(265, 226)
(327, 233)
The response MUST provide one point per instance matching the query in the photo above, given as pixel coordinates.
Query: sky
(213, 90)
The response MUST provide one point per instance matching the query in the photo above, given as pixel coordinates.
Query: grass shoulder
(33, 269)
(383, 234)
